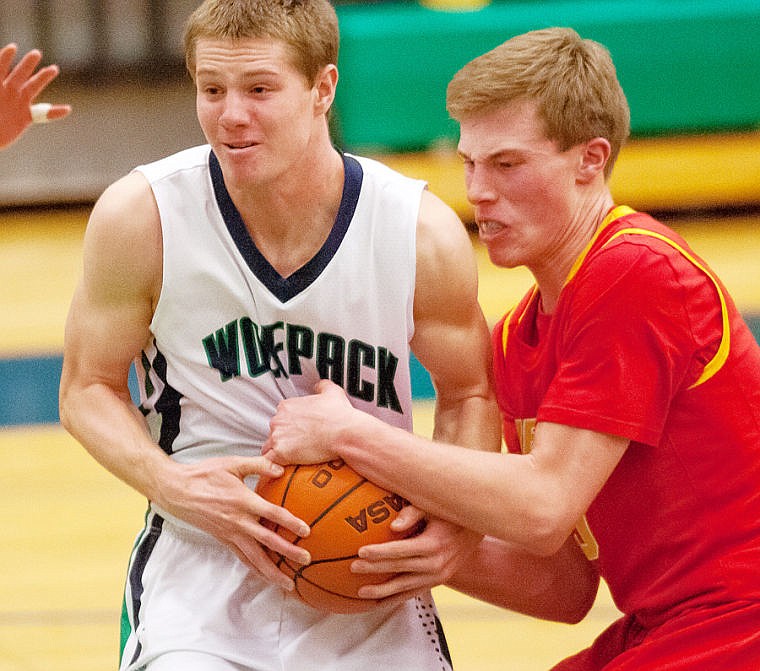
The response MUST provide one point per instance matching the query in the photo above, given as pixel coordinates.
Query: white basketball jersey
(232, 337)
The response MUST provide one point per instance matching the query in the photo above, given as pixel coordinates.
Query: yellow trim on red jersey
(716, 363)
(712, 366)
(612, 215)
(508, 318)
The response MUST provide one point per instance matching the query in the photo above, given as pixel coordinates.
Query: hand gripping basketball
(345, 511)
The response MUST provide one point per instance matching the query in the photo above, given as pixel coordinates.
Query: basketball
(345, 511)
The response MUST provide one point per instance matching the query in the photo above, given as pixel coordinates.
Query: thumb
(329, 388)
(257, 466)
(324, 386)
(408, 519)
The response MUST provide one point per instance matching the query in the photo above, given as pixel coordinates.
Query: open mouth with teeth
(489, 226)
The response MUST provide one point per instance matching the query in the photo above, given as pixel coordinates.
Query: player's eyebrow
(493, 156)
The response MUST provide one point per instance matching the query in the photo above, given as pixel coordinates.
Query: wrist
(357, 435)
(166, 480)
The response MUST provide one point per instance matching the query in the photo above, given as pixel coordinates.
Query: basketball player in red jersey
(628, 383)
(19, 86)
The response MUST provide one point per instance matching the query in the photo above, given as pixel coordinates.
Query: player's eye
(260, 89)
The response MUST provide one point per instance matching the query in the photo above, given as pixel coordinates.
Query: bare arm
(448, 322)
(532, 500)
(108, 325)
(561, 587)
(452, 341)
(451, 337)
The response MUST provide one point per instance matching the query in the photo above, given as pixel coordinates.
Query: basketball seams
(300, 577)
(336, 502)
(349, 500)
(291, 477)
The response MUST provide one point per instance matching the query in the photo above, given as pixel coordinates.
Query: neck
(290, 219)
(552, 273)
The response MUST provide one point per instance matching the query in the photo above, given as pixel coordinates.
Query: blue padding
(29, 386)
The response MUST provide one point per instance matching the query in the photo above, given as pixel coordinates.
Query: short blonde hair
(308, 27)
(573, 80)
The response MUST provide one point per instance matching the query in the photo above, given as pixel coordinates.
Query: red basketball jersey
(645, 343)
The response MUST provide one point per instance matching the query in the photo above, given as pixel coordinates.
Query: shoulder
(638, 236)
(127, 207)
(446, 265)
(182, 161)
(646, 254)
(123, 242)
(650, 277)
(440, 231)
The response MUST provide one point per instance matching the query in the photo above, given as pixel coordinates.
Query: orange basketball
(344, 511)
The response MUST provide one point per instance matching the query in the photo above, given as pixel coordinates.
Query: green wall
(686, 66)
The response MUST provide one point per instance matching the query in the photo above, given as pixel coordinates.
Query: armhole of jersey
(716, 363)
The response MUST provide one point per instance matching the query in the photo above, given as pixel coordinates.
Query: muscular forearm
(429, 474)
(471, 422)
(210, 494)
(561, 587)
(533, 500)
(501, 495)
(113, 431)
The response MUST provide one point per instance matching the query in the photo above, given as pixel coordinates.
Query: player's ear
(594, 157)
(324, 88)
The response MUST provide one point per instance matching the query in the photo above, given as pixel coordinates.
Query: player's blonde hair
(308, 27)
(573, 81)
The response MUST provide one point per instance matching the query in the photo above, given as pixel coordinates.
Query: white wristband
(40, 112)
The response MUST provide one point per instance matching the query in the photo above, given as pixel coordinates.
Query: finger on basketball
(279, 544)
(283, 518)
(398, 565)
(406, 584)
(398, 549)
(345, 511)
(409, 520)
(261, 562)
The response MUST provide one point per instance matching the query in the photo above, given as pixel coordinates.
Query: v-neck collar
(285, 288)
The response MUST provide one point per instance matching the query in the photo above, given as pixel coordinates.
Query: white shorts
(187, 593)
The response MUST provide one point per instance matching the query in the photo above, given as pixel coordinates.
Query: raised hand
(19, 87)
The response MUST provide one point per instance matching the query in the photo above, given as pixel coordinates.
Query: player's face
(522, 187)
(256, 109)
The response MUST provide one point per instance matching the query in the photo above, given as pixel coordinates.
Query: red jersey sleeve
(634, 328)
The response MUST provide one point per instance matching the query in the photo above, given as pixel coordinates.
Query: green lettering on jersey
(222, 350)
(386, 373)
(366, 372)
(330, 357)
(360, 354)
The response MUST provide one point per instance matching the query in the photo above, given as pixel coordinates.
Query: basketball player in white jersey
(238, 274)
